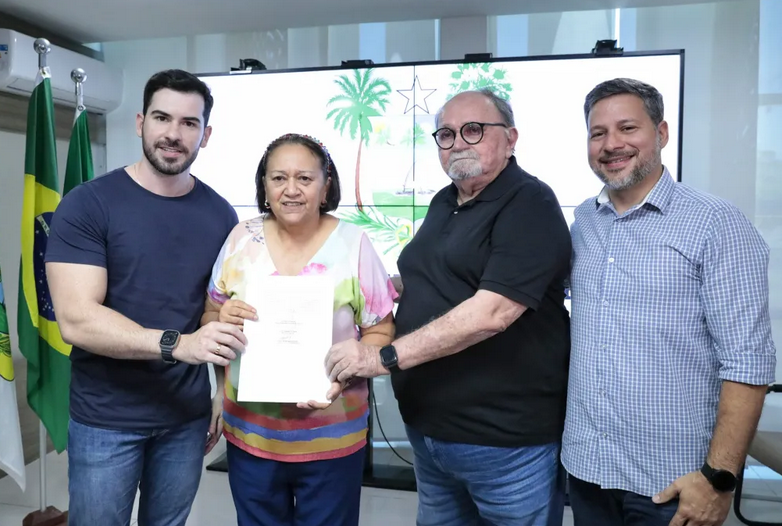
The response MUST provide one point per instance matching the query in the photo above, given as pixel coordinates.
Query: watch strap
(722, 480)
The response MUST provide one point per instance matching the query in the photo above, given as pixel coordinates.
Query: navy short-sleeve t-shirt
(158, 252)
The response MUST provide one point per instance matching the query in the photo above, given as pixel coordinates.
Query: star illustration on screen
(416, 96)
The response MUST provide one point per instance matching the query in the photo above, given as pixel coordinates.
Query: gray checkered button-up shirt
(669, 299)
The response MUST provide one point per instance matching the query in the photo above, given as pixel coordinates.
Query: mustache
(167, 143)
(617, 155)
(458, 156)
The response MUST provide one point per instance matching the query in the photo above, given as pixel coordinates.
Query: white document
(287, 346)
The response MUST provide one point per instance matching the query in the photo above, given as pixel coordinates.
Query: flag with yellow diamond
(40, 341)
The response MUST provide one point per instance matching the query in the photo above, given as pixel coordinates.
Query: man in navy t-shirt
(128, 260)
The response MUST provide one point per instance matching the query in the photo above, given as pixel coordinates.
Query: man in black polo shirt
(480, 369)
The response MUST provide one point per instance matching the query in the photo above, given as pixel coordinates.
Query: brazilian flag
(79, 168)
(40, 341)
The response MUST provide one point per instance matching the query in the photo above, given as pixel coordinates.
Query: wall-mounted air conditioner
(19, 67)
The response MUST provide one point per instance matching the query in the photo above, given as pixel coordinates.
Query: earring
(266, 204)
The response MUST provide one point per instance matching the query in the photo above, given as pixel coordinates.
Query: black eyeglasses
(471, 132)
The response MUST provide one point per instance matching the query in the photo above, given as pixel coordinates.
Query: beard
(644, 167)
(160, 163)
(464, 165)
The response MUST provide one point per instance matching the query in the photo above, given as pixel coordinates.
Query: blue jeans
(594, 506)
(315, 493)
(468, 485)
(106, 467)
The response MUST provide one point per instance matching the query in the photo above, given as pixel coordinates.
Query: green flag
(40, 341)
(11, 456)
(79, 168)
(6, 362)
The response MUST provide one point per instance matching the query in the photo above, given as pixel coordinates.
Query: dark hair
(333, 194)
(652, 99)
(181, 81)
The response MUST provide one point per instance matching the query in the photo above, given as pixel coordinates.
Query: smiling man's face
(624, 144)
(172, 131)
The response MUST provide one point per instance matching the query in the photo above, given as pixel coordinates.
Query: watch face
(169, 338)
(723, 480)
(388, 356)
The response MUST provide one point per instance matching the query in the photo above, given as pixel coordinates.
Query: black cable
(380, 425)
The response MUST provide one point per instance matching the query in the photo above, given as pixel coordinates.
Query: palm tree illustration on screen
(475, 76)
(361, 97)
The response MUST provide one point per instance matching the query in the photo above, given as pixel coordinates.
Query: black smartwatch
(721, 479)
(389, 359)
(168, 342)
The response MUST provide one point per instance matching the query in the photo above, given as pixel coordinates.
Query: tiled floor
(213, 505)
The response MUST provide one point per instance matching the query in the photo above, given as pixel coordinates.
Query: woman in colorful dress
(300, 464)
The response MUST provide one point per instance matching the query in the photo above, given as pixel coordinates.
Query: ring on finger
(217, 351)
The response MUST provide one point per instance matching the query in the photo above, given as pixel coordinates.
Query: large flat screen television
(377, 123)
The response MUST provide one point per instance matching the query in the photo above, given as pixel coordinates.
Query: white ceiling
(88, 21)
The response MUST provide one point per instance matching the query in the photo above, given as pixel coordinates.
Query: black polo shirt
(508, 390)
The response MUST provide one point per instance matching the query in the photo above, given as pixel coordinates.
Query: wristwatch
(722, 479)
(389, 359)
(168, 342)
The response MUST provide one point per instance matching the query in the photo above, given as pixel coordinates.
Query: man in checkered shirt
(671, 338)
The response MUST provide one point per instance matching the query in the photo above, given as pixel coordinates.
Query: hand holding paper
(287, 345)
(236, 311)
(352, 358)
(334, 392)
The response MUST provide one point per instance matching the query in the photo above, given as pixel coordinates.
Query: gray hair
(652, 99)
(502, 105)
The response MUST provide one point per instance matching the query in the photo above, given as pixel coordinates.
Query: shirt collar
(659, 196)
(495, 189)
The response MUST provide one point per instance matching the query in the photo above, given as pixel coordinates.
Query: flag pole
(78, 76)
(42, 465)
(42, 47)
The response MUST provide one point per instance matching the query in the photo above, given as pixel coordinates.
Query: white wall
(690, 28)
(578, 31)
(343, 44)
(11, 189)
(463, 36)
(412, 41)
(308, 47)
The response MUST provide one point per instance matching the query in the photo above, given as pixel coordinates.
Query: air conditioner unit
(19, 68)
